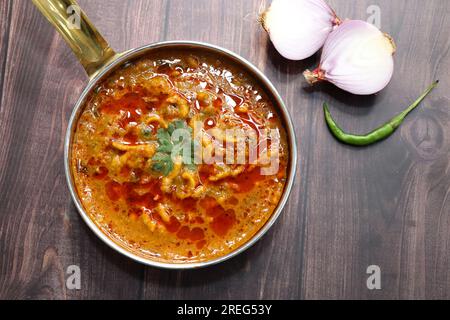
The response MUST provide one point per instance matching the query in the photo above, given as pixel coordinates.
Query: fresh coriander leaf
(168, 167)
(163, 136)
(166, 148)
(158, 166)
(159, 156)
(170, 129)
(180, 124)
(163, 158)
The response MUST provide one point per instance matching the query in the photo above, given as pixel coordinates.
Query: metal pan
(99, 60)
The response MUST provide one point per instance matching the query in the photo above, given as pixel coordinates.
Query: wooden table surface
(386, 205)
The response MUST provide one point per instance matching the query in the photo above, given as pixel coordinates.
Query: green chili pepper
(378, 134)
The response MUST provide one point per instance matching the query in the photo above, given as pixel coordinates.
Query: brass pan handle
(83, 38)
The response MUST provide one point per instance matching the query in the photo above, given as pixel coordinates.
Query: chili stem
(378, 134)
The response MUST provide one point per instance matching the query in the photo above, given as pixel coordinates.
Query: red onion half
(298, 28)
(356, 57)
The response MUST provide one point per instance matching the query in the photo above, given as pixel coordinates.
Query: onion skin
(356, 57)
(298, 28)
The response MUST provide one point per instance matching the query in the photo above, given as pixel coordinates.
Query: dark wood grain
(385, 205)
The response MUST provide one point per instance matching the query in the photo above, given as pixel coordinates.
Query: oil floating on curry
(157, 193)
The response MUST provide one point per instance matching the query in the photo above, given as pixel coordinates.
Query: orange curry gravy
(192, 214)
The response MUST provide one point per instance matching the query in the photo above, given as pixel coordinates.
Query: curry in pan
(142, 192)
